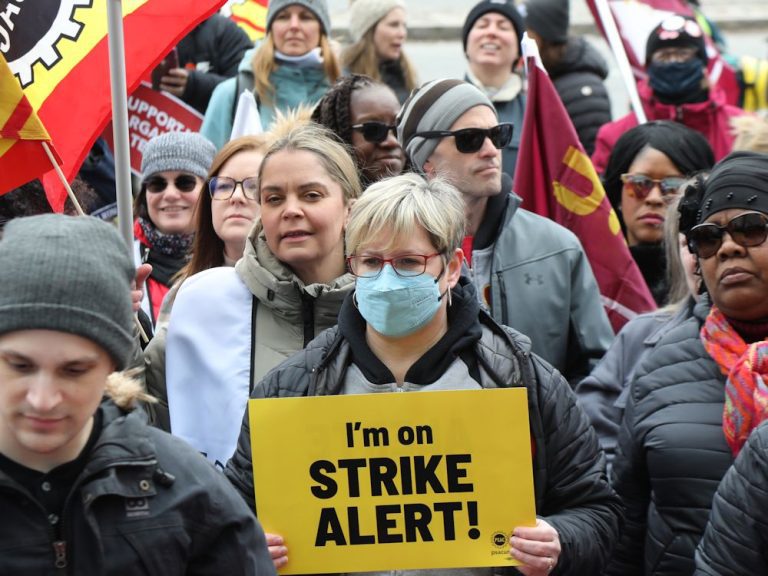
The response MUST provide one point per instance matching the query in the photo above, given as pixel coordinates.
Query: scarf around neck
(745, 367)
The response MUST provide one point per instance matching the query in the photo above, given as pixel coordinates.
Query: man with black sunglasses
(529, 271)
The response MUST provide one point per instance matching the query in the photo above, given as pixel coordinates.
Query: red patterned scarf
(744, 365)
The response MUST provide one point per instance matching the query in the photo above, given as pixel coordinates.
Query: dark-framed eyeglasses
(182, 182)
(747, 230)
(223, 187)
(640, 185)
(375, 132)
(469, 140)
(407, 265)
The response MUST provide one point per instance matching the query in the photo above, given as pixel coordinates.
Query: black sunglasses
(375, 132)
(470, 140)
(640, 185)
(183, 183)
(747, 230)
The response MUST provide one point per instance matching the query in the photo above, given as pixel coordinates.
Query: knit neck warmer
(745, 366)
(173, 245)
(312, 59)
(509, 91)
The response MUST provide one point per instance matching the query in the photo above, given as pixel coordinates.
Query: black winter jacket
(217, 43)
(671, 454)
(736, 539)
(571, 489)
(146, 503)
(578, 79)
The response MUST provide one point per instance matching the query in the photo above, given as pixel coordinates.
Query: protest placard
(394, 481)
(150, 113)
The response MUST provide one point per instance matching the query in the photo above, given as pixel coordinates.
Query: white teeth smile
(490, 46)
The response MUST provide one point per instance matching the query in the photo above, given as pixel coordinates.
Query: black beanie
(677, 31)
(740, 180)
(504, 7)
(549, 19)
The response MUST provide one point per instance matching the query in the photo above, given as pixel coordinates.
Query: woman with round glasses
(362, 113)
(224, 215)
(645, 171)
(174, 167)
(701, 391)
(414, 324)
(293, 65)
(230, 326)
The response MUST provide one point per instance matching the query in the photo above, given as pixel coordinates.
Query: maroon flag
(635, 19)
(556, 179)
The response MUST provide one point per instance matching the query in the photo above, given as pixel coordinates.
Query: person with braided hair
(701, 391)
(362, 113)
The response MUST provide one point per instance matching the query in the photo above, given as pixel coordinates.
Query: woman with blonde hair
(294, 64)
(414, 324)
(88, 487)
(378, 32)
(229, 326)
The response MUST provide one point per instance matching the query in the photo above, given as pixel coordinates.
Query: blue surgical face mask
(676, 81)
(396, 306)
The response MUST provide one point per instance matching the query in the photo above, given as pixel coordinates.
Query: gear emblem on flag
(41, 33)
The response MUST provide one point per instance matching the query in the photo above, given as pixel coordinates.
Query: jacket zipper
(60, 550)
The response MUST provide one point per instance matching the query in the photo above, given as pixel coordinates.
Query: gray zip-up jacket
(541, 284)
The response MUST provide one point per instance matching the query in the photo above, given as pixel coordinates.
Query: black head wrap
(688, 150)
(740, 180)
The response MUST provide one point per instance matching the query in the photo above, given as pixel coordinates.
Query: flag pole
(120, 121)
(63, 179)
(617, 46)
(120, 131)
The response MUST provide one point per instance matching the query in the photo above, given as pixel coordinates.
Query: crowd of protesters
(369, 240)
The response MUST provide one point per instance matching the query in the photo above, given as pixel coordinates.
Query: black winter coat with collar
(672, 453)
(145, 503)
(571, 489)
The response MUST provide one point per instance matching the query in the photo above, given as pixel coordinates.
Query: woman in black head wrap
(645, 171)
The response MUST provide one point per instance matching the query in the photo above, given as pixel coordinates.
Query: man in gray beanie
(74, 444)
(529, 271)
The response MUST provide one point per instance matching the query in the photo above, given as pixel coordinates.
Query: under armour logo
(538, 278)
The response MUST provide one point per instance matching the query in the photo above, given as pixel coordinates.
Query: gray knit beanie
(318, 7)
(364, 14)
(436, 105)
(178, 152)
(69, 274)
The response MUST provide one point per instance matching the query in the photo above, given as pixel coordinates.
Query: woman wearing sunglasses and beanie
(701, 391)
(362, 113)
(174, 167)
(414, 324)
(293, 65)
(378, 30)
(645, 171)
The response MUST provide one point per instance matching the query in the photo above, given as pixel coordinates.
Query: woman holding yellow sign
(415, 324)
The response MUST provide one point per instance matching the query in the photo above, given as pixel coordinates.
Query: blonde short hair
(397, 205)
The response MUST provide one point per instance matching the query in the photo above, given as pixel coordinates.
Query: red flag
(556, 179)
(60, 56)
(22, 157)
(250, 15)
(635, 19)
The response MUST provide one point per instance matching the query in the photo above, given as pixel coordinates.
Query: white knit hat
(364, 14)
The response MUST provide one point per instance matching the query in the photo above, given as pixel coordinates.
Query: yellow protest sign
(394, 481)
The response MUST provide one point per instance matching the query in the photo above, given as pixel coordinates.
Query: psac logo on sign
(412, 481)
